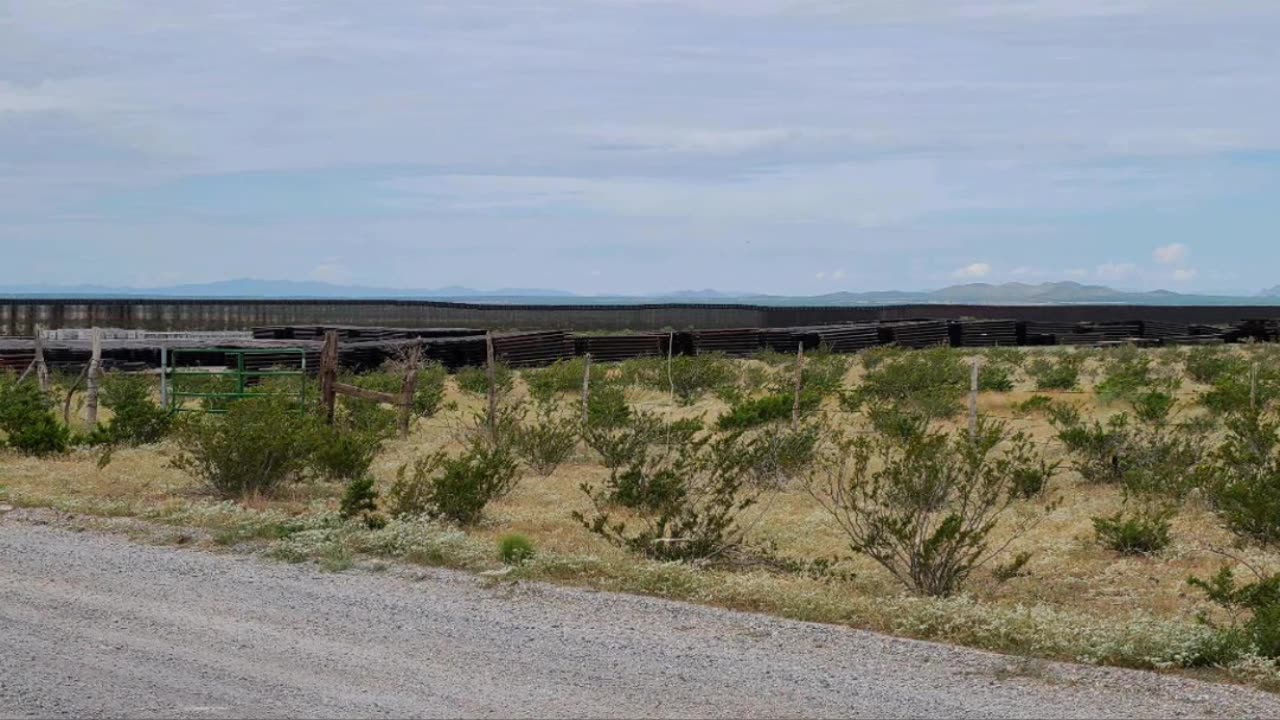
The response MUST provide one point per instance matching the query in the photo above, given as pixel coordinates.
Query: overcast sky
(629, 146)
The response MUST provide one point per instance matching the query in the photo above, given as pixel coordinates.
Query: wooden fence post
(492, 372)
(42, 370)
(1253, 386)
(329, 374)
(586, 388)
(671, 378)
(92, 380)
(795, 405)
(409, 390)
(973, 401)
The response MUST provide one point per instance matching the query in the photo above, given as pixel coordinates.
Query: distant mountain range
(973, 293)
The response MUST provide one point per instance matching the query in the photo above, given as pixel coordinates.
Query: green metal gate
(216, 390)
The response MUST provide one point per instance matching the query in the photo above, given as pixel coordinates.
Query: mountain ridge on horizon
(1062, 292)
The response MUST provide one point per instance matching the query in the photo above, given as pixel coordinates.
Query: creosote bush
(1136, 532)
(475, 380)
(770, 408)
(428, 393)
(1254, 608)
(923, 505)
(547, 441)
(137, 419)
(27, 419)
(515, 549)
(1058, 373)
(1242, 477)
(687, 500)
(257, 446)
(454, 488)
(926, 383)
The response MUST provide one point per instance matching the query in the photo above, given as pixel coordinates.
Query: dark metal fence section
(20, 316)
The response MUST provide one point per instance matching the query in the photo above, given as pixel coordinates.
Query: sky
(636, 146)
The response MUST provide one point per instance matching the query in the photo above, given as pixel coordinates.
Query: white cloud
(838, 275)
(973, 271)
(1173, 254)
(1184, 274)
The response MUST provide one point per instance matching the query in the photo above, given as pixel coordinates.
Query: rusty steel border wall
(20, 316)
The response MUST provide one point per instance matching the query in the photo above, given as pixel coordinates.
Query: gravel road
(94, 625)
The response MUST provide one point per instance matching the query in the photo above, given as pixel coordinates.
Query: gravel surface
(94, 625)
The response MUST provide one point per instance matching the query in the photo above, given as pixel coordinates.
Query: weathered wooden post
(42, 370)
(409, 390)
(795, 404)
(492, 372)
(973, 401)
(93, 379)
(586, 388)
(329, 375)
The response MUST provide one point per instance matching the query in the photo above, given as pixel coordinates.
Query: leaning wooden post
(586, 388)
(408, 391)
(671, 378)
(329, 375)
(92, 379)
(164, 376)
(795, 405)
(42, 370)
(973, 401)
(1253, 386)
(491, 368)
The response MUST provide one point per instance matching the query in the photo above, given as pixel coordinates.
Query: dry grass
(1069, 572)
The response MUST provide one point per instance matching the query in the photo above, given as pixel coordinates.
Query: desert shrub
(1096, 448)
(515, 549)
(1124, 376)
(562, 376)
(546, 442)
(1208, 365)
(822, 375)
(770, 408)
(454, 488)
(621, 443)
(258, 445)
(27, 419)
(136, 419)
(778, 454)
(689, 500)
(923, 506)
(1060, 373)
(1254, 610)
(873, 358)
(475, 380)
(894, 421)
(927, 383)
(337, 453)
(996, 377)
(1141, 532)
(1031, 480)
(1033, 404)
(1235, 391)
(360, 500)
(1008, 356)
(607, 407)
(1242, 477)
(693, 376)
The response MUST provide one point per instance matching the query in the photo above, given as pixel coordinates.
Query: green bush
(926, 383)
(27, 419)
(823, 374)
(996, 377)
(454, 488)
(767, 409)
(1208, 365)
(607, 407)
(563, 376)
(515, 549)
(1033, 404)
(688, 500)
(923, 505)
(360, 499)
(778, 453)
(1124, 376)
(257, 446)
(695, 376)
(547, 442)
(1062, 373)
(1234, 392)
(475, 380)
(1141, 532)
(1242, 478)
(136, 419)
(339, 454)
(1255, 611)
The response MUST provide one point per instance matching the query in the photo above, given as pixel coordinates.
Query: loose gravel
(94, 625)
